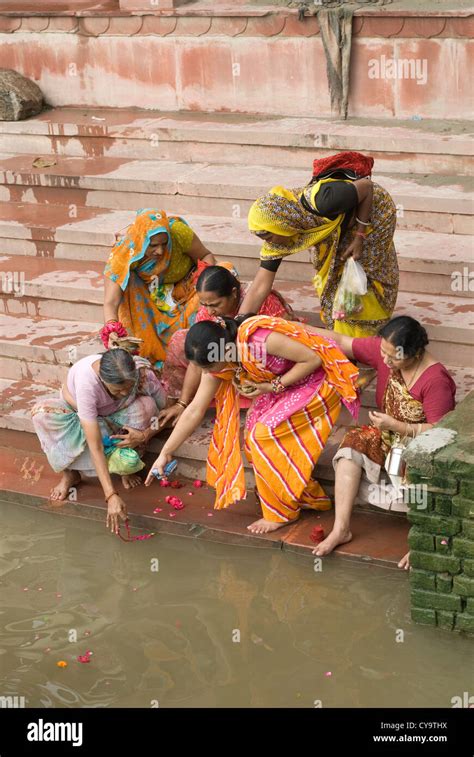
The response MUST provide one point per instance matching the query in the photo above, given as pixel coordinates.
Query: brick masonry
(441, 538)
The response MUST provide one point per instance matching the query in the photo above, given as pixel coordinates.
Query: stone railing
(440, 463)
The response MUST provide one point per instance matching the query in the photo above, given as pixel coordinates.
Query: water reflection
(215, 626)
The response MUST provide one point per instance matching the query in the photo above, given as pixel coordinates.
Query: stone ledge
(238, 22)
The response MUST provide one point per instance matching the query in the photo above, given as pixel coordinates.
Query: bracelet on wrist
(363, 223)
(181, 403)
(111, 495)
(277, 386)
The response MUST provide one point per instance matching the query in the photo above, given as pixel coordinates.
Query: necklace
(410, 383)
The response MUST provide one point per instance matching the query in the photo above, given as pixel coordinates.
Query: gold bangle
(181, 403)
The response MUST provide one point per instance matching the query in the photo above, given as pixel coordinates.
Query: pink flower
(198, 484)
(164, 482)
(176, 484)
(158, 510)
(444, 542)
(328, 674)
(172, 515)
(177, 503)
(209, 515)
(190, 494)
(168, 499)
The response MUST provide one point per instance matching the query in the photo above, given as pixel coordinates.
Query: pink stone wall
(269, 65)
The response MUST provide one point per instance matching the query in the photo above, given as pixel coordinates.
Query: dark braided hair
(216, 278)
(205, 337)
(406, 334)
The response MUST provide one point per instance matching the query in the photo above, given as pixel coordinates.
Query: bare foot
(405, 562)
(69, 478)
(130, 482)
(263, 526)
(331, 542)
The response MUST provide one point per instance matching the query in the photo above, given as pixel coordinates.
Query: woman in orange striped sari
(298, 381)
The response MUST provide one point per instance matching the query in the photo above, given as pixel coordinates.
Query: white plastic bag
(352, 286)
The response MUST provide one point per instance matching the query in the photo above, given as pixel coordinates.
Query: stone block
(463, 548)
(418, 539)
(435, 600)
(422, 579)
(422, 615)
(464, 622)
(445, 619)
(464, 586)
(463, 507)
(444, 583)
(435, 524)
(435, 562)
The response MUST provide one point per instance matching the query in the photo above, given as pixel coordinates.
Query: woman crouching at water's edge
(298, 382)
(104, 413)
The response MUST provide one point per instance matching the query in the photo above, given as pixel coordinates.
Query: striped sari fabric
(282, 456)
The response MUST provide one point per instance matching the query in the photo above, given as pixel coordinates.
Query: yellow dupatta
(281, 212)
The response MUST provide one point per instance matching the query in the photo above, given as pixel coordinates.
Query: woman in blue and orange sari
(150, 282)
(298, 381)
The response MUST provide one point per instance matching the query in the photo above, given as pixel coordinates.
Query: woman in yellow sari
(298, 381)
(338, 215)
(149, 282)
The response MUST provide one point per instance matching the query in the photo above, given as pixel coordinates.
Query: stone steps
(427, 146)
(427, 260)
(26, 479)
(449, 323)
(120, 183)
(18, 396)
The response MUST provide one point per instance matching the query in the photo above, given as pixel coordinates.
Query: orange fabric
(153, 313)
(283, 458)
(225, 469)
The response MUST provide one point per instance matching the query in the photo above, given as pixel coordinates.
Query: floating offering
(328, 674)
(140, 537)
(85, 657)
(444, 542)
(317, 534)
(175, 502)
(62, 664)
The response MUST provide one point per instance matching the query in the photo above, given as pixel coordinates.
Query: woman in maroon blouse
(414, 391)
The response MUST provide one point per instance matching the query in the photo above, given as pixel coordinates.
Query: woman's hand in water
(159, 466)
(170, 415)
(133, 438)
(116, 511)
